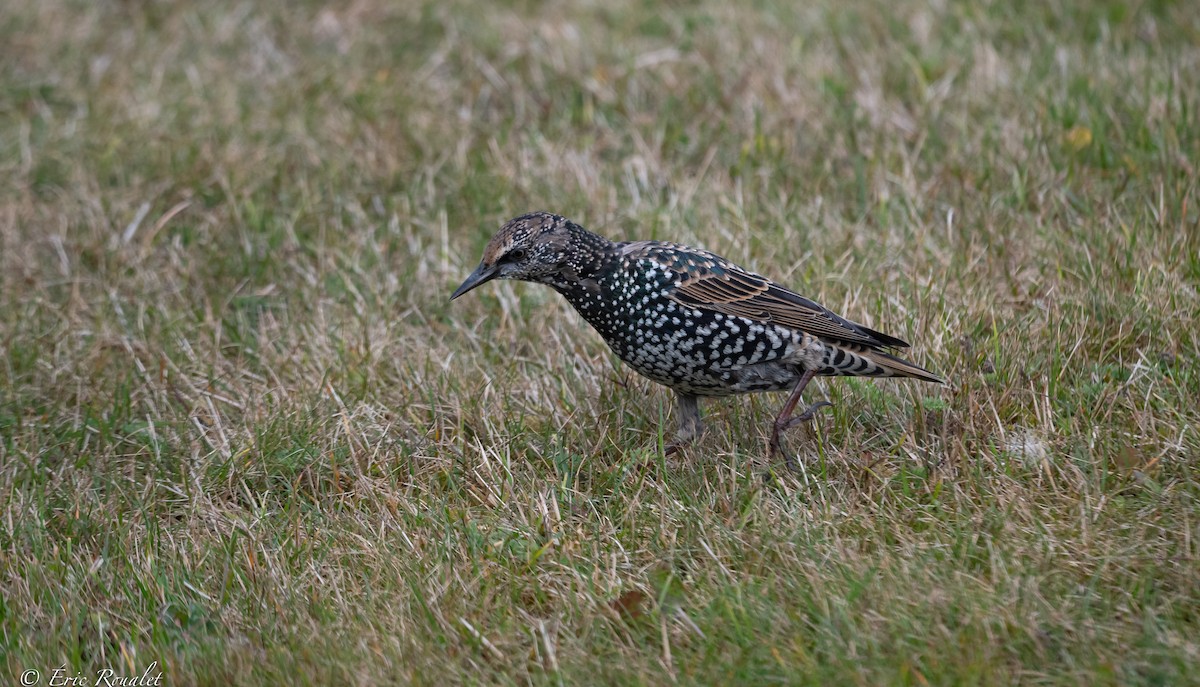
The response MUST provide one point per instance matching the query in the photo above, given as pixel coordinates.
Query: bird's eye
(516, 254)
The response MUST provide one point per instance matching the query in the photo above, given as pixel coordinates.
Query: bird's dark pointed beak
(481, 275)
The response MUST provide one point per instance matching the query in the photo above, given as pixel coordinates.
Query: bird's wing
(712, 283)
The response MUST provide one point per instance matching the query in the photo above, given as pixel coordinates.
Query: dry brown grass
(243, 433)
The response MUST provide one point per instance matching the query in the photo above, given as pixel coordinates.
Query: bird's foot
(784, 424)
(806, 416)
(680, 442)
(687, 412)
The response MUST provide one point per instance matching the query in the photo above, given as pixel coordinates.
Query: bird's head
(534, 247)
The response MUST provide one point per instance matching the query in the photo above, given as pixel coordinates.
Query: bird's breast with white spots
(688, 349)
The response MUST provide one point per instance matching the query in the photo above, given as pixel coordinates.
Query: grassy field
(244, 434)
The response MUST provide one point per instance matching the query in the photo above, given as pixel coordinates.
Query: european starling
(689, 319)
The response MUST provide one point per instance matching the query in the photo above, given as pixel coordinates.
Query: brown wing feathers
(739, 293)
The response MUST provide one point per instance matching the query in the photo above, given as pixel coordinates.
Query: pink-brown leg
(785, 420)
(687, 413)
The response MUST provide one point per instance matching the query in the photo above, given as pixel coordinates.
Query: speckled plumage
(689, 319)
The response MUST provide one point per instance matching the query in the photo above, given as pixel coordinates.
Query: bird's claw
(776, 444)
(808, 414)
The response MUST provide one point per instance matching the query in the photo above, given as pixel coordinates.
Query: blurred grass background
(243, 433)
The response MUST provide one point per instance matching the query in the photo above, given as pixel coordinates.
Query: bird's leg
(687, 413)
(785, 420)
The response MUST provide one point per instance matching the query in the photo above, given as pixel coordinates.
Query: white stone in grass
(1026, 445)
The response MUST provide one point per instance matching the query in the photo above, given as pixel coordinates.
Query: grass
(244, 434)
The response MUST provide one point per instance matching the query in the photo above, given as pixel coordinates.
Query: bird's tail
(855, 360)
